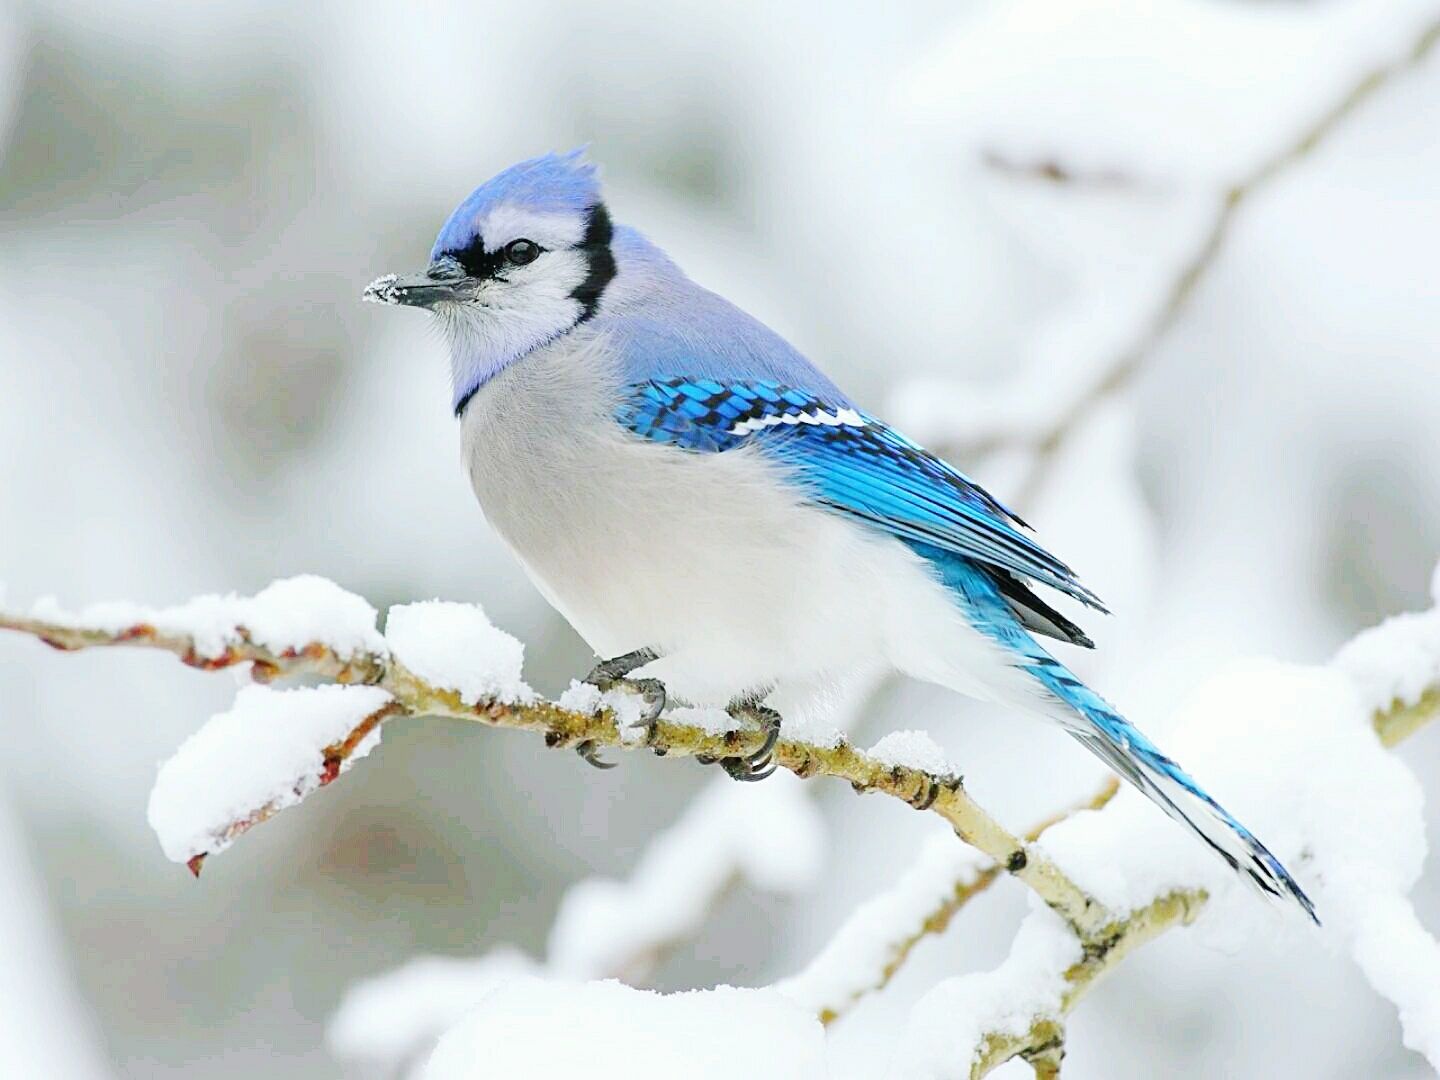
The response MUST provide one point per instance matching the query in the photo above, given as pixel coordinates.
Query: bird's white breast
(709, 558)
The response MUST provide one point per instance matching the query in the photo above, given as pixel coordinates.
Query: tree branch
(938, 793)
(1392, 725)
(334, 758)
(851, 967)
(1043, 1043)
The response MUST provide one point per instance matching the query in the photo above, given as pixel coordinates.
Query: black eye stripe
(594, 246)
(478, 262)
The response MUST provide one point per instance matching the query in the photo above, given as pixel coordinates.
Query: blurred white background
(193, 399)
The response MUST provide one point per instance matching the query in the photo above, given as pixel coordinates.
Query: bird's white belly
(707, 558)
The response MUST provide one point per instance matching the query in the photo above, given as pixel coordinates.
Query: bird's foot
(758, 765)
(608, 672)
(613, 674)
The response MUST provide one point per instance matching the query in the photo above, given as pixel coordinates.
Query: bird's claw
(613, 674)
(760, 764)
(746, 771)
(589, 752)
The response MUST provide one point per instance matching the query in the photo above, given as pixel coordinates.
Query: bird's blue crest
(557, 183)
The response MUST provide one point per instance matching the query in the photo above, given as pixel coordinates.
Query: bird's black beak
(441, 282)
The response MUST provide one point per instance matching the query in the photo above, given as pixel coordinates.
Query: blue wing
(851, 463)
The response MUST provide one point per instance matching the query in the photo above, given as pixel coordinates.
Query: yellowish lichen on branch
(941, 794)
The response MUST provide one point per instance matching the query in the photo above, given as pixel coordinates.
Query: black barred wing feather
(850, 462)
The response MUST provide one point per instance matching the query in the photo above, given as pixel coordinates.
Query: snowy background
(963, 214)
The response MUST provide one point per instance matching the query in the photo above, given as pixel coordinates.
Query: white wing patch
(838, 418)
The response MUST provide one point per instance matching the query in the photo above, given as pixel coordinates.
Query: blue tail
(1112, 738)
(1125, 749)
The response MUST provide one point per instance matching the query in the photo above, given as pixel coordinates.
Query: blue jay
(716, 516)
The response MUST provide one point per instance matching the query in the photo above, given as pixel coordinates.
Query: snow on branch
(1396, 668)
(303, 625)
(1317, 781)
(875, 941)
(447, 660)
(273, 748)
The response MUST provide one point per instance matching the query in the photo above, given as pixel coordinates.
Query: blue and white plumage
(674, 476)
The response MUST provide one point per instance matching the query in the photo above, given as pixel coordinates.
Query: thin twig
(938, 919)
(1044, 1039)
(1046, 443)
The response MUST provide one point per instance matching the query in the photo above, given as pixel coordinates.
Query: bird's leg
(756, 766)
(607, 672)
(613, 674)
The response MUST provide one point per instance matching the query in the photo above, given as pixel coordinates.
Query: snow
(768, 834)
(288, 614)
(1397, 660)
(1291, 751)
(46, 1026)
(911, 749)
(627, 707)
(1401, 959)
(854, 960)
(1275, 744)
(709, 720)
(581, 697)
(267, 751)
(1156, 109)
(455, 647)
(531, 1027)
(397, 1017)
(947, 1025)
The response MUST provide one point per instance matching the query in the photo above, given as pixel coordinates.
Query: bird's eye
(520, 252)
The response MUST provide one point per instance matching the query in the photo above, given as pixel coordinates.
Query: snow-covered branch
(447, 660)
(1316, 739)
(875, 941)
(1106, 878)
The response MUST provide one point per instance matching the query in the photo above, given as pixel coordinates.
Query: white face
(526, 277)
(520, 276)
(521, 279)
